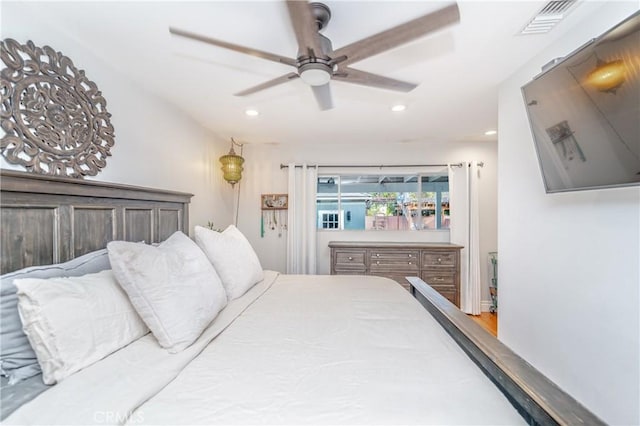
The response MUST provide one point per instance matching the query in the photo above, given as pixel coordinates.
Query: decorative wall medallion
(55, 118)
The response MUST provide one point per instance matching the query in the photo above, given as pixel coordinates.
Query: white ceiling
(459, 68)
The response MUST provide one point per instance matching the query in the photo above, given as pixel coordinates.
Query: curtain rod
(284, 166)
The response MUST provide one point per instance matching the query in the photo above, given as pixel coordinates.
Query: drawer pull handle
(439, 260)
(438, 279)
(377, 262)
(350, 258)
(410, 263)
(377, 254)
(410, 255)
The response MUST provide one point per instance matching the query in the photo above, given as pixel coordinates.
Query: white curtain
(301, 235)
(464, 230)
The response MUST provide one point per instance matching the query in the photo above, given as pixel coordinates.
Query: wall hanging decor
(274, 213)
(275, 201)
(55, 118)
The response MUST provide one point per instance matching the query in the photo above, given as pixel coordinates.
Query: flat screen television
(584, 112)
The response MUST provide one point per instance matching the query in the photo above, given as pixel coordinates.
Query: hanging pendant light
(607, 76)
(232, 165)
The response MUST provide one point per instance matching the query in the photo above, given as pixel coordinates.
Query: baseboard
(485, 305)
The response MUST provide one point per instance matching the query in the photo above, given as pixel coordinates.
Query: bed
(289, 349)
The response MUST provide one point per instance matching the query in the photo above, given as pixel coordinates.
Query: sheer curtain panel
(464, 230)
(301, 235)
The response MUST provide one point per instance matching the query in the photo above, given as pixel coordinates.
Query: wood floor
(488, 321)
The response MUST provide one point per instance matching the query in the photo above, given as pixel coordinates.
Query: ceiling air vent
(552, 13)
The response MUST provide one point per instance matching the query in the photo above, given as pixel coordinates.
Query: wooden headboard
(46, 220)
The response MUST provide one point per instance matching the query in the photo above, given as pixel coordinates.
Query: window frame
(337, 177)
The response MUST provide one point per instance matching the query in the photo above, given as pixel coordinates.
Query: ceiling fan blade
(305, 27)
(235, 47)
(351, 75)
(268, 84)
(323, 96)
(399, 35)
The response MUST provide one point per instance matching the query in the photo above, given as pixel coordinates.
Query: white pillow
(72, 322)
(18, 361)
(173, 287)
(233, 257)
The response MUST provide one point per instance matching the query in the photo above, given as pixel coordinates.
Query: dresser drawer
(445, 259)
(407, 255)
(350, 261)
(406, 267)
(435, 278)
(394, 260)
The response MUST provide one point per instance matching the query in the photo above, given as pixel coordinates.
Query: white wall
(569, 263)
(156, 145)
(263, 176)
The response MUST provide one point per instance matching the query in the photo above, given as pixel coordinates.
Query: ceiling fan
(317, 63)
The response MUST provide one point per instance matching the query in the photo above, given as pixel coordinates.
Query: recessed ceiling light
(251, 112)
(398, 108)
(490, 132)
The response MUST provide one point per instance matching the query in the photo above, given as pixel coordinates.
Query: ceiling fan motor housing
(306, 54)
(316, 68)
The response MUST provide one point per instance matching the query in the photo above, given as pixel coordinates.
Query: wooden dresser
(437, 264)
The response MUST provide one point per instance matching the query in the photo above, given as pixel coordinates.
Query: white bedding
(303, 350)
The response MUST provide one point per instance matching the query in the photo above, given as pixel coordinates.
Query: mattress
(293, 350)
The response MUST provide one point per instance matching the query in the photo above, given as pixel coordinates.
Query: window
(328, 220)
(383, 202)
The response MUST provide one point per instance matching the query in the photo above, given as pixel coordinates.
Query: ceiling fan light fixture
(398, 108)
(252, 112)
(315, 74)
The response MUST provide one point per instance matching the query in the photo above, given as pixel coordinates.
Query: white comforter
(293, 350)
